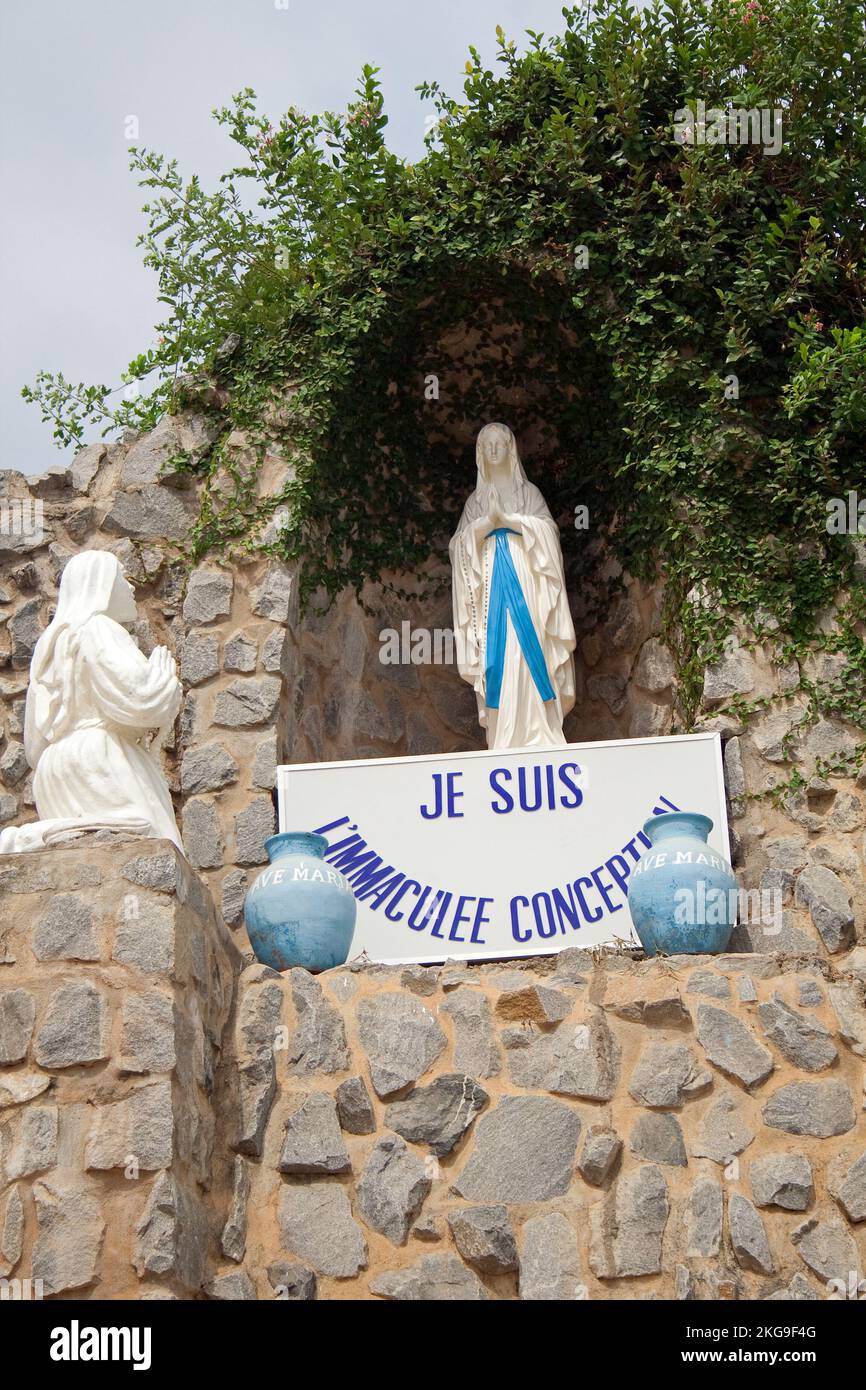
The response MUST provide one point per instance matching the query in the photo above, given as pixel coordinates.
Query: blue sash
(506, 597)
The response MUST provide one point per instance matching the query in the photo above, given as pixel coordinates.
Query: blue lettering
(521, 781)
(480, 920)
(452, 796)
(506, 796)
(459, 916)
(619, 870)
(446, 898)
(588, 916)
(515, 929)
(351, 857)
(566, 910)
(604, 889)
(544, 898)
(378, 895)
(398, 916)
(565, 778)
(413, 923)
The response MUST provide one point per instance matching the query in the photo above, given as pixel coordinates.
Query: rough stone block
(524, 1151)
(485, 1238)
(533, 1004)
(667, 1074)
(354, 1107)
(233, 893)
(273, 597)
(658, 1137)
(433, 1279)
(438, 1114)
(199, 658)
(819, 1108)
(66, 930)
(392, 1188)
(317, 1226)
(312, 1142)
(148, 1038)
(241, 653)
(782, 1180)
(202, 836)
(153, 513)
(401, 1039)
(829, 1250)
(171, 1236)
(600, 1155)
(11, 1230)
(207, 769)
(626, 1229)
(748, 1236)
(550, 1267)
(476, 1050)
(28, 1142)
(827, 899)
(234, 1236)
(138, 1130)
(208, 596)
(69, 1233)
(319, 1041)
(17, 1017)
(255, 824)
(704, 1220)
(292, 1283)
(74, 1029)
(248, 703)
(732, 1047)
(145, 936)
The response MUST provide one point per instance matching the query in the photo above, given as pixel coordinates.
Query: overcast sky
(75, 296)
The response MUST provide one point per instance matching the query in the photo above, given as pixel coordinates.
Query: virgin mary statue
(513, 629)
(91, 700)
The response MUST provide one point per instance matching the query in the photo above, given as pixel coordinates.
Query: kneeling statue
(92, 698)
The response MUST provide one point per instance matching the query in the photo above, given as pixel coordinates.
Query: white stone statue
(92, 699)
(513, 630)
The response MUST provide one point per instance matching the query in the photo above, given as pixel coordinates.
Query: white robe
(96, 772)
(522, 720)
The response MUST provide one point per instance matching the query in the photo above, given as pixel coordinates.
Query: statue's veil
(527, 500)
(87, 588)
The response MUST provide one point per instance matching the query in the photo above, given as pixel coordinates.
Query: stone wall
(575, 1126)
(116, 984)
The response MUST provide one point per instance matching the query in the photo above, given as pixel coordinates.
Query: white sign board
(503, 853)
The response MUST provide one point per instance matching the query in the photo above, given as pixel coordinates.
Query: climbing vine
(674, 326)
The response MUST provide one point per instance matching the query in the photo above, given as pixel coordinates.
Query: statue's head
(496, 453)
(93, 582)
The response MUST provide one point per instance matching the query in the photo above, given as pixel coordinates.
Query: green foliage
(350, 276)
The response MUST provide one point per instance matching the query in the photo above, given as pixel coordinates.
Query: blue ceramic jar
(682, 895)
(300, 910)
